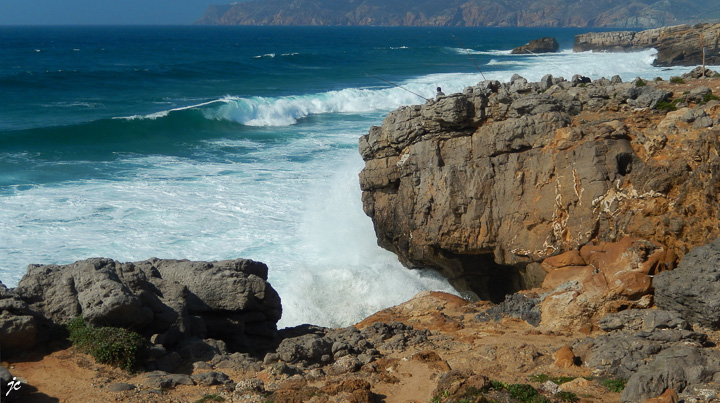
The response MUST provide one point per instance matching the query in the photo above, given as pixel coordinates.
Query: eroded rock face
(485, 185)
(693, 289)
(679, 45)
(172, 299)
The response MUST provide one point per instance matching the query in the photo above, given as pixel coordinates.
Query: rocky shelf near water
(586, 211)
(679, 45)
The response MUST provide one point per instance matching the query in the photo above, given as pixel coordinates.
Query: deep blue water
(224, 142)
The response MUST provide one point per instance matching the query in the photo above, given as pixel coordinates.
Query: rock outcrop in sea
(542, 45)
(679, 45)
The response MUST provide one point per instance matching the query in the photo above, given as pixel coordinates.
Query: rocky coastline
(579, 218)
(679, 45)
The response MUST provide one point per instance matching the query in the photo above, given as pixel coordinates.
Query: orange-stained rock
(669, 396)
(426, 310)
(631, 284)
(564, 357)
(625, 264)
(569, 258)
(555, 278)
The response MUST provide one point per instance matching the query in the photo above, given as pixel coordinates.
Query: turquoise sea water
(211, 143)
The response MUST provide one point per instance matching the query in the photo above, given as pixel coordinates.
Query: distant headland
(463, 13)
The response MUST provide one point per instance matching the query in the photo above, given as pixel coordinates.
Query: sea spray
(340, 271)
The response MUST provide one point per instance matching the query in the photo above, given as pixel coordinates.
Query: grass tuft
(614, 385)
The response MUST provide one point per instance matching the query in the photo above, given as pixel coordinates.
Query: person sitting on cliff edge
(439, 93)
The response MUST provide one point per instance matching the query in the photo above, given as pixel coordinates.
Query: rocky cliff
(535, 13)
(679, 45)
(492, 185)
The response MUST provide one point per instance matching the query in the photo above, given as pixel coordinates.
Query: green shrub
(567, 397)
(497, 385)
(640, 83)
(108, 345)
(526, 393)
(710, 97)
(677, 80)
(210, 398)
(614, 385)
(666, 106)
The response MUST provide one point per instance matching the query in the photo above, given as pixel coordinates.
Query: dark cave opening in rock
(479, 277)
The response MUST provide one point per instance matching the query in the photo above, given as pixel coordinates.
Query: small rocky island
(542, 45)
(579, 219)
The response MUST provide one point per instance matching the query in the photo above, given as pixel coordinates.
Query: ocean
(211, 143)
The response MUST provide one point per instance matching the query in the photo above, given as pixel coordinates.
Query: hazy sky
(50, 12)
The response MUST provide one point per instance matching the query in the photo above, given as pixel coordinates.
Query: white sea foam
(293, 203)
(464, 51)
(301, 217)
(164, 113)
(285, 111)
(267, 55)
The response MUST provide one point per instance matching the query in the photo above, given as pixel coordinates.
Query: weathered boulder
(674, 368)
(654, 350)
(171, 299)
(542, 45)
(520, 172)
(693, 289)
(343, 350)
(679, 45)
(518, 305)
(19, 325)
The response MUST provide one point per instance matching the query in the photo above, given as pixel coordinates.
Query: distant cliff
(458, 13)
(680, 45)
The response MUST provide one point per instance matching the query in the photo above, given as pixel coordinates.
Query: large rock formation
(171, 300)
(485, 185)
(679, 45)
(455, 13)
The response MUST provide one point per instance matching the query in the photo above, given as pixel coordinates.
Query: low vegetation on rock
(115, 346)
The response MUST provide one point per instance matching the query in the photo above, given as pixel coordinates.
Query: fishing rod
(471, 58)
(399, 86)
(537, 55)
